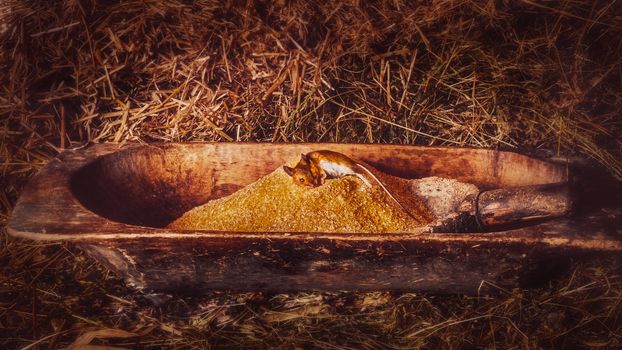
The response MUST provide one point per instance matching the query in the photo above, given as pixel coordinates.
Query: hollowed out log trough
(114, 201)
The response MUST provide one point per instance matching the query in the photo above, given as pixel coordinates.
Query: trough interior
(152, 186)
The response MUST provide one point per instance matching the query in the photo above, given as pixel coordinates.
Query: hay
(536, 76)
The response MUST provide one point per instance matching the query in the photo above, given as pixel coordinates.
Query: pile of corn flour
(275, 203)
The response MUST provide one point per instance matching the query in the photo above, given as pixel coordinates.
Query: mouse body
(315, 167)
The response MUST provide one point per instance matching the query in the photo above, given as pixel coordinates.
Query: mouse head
(301, 173)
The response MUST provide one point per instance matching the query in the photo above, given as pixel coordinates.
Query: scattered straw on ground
(541, 76)
(276, 203)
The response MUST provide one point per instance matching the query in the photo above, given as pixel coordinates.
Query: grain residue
(274, 203)
(446, 198)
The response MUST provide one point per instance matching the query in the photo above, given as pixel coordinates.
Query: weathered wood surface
(114, 201)
(507, 206)
(196, 265)
(151, 185)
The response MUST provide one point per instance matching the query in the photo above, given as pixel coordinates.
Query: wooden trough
(114, 201)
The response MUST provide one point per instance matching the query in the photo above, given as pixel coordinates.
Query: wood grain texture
(114, 200)
(520, 204)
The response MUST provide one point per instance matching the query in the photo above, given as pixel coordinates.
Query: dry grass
(531, 75)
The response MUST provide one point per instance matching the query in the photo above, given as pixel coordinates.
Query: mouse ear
(304, 157)
(288, 170)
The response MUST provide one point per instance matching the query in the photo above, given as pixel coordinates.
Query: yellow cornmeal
(275, 203)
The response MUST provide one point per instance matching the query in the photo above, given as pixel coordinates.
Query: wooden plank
(153, 184)
(506, 206)
(114, 200)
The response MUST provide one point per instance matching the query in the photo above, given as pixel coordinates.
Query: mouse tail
(386, 190)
